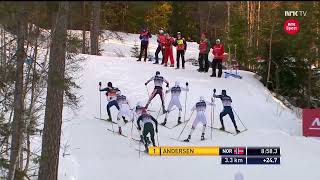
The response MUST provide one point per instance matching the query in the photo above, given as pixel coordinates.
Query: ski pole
(212, 112)
(239, 118)
(158, 140)
(148, 95)
(185, 105)
(164, 98)
(185, 126)
(100, 97)
(139, 145)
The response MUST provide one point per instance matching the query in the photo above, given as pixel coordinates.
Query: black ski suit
(227, 109)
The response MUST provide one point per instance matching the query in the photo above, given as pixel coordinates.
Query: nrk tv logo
(311, 122)
(315, 124)
(292, 26)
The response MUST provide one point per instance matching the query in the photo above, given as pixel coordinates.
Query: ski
(141, 151)
(105, 120)
(123, 135)
(240, 132)
(167, 112)
(183, 140)
(164, 126)
(178, 124)
(229, 132)
(117, 133)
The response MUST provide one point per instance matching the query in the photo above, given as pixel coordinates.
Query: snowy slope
(96, 154)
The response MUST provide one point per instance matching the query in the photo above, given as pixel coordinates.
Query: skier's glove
(145, 84)
(167, 85)
(139, 128)
(187, 84)
(99, 83)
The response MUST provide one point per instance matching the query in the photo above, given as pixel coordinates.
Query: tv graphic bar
(196, 151)
(233, 160)
(263, 160)
(263, 151)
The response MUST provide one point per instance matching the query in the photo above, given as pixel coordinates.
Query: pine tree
(135, 50)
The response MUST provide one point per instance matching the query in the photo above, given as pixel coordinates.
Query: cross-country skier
(181, 45)
(227, 109)
(138, 109)
(200, 107)
(124, 111)
(144, 37)
(158, 81)
(137, 113)
(111, 93)
(175, 100)
(161, 38)
(149, 125)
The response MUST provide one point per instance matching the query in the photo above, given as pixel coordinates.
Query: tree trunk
(258, 26)
(270, 51)
(209, 14)
(95, 28)
(228, 30)
(84, 28)
(54, 102)
(18, 122)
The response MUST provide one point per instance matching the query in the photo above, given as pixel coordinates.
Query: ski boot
(156, 62)
(141, 138)
(164, 111)
(124, 120)
(202, 136)
(171, 65)
(177, 67)
(165, 65)
(179, 120)
(148, 141)
(164, 122)
(120, 131)
(188, 139)
(139, 60)
(237, 131)
(146, 148)
(222, 128)
(109, 120)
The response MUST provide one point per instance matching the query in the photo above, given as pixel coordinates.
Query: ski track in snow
(97, 154)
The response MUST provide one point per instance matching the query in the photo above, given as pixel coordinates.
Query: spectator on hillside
(144, 37)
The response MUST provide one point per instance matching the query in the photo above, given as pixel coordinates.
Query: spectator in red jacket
(218, 51)
(168, 50)
(204, 49)
(181, 45)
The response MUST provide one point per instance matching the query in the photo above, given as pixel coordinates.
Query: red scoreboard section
(229, 155)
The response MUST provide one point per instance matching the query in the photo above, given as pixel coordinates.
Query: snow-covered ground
(96, 154)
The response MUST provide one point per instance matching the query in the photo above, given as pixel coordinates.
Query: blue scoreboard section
(250, 155)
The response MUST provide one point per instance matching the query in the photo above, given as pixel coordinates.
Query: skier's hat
(109, 84)
(158, 73)
(178, 33)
